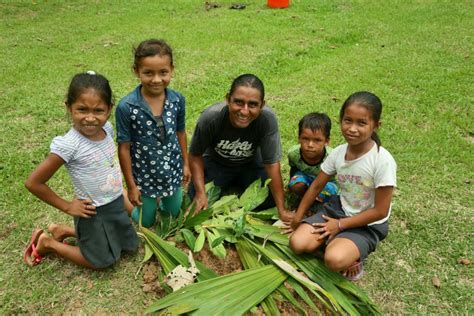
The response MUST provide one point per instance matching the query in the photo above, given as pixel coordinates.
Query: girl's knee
(339, 258)
(296, 245)
(303, 241)
(334, 261)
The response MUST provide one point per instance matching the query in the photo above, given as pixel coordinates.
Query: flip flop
(31, 255)
(356, 271)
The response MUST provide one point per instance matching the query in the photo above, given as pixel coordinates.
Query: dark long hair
(248, 80)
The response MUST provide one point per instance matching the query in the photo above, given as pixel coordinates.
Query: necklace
(109, 158)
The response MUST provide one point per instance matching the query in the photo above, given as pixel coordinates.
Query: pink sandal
(31, 256)
(355, 271)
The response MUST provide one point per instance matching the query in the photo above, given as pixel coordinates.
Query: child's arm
(196, 163)
(383, 198)
(308, 199)
(183, 143)
(134, 194)
(36, 184)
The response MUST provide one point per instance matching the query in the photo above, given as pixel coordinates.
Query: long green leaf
(351, 298)
(266, 232)
(223, 204)
(249, 253)
(199, 241)
(260, 292)
(270, 214)
(216, 294)
(248, 256)
(288, 268)
(254, 195)
(213, 193)
(301, 293)
(217, 241)
(198, 218)
(219, 249)
(186, 294)
(166, 262)
(148, 253)
(189, 238)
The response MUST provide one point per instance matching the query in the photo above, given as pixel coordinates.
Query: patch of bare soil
(231, 263)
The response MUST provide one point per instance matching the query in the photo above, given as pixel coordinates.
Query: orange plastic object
(278, 3)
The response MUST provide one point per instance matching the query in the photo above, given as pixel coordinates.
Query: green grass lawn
(415, 55)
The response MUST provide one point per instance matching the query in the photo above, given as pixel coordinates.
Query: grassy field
(415, 55)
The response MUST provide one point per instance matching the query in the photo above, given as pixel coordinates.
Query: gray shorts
(365, 238)
(104, 236)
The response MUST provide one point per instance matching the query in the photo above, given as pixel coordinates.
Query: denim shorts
(329, 190)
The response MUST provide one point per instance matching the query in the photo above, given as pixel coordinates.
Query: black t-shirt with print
(215, 136)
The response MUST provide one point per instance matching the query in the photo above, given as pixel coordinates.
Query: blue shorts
(300, 177)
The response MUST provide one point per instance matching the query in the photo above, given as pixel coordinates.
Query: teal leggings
(168, 205)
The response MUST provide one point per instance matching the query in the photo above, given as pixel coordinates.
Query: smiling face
(89, 114)
(357, 126)
(312, 144)
(245, 105)
(155, 74)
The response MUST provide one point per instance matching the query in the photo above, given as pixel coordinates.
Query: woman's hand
(200, 203)
(286, 216)
(81, 208)
(328, 229)
(295, 223)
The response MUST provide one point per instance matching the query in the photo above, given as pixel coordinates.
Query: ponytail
(375, 137)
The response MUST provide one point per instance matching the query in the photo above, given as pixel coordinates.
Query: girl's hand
(329, 229)
(186, 175)
(286, 228)
(81, 208)
(135, 196)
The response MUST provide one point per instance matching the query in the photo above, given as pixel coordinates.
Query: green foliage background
(417, 56)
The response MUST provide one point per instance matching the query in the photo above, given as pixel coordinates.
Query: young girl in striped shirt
(101, 225)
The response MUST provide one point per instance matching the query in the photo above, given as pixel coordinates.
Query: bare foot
(42, 246)
(60, 231)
